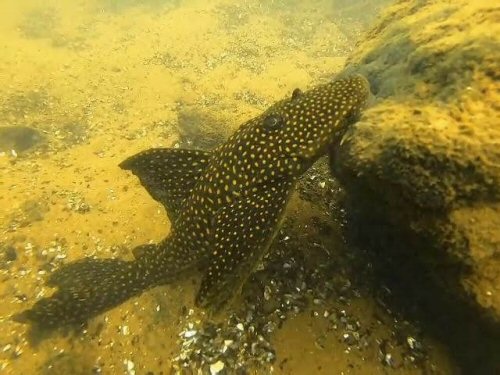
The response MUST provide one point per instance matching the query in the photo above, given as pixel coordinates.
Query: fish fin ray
(238, 250)
(168, 174)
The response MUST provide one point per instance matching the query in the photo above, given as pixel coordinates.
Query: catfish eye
(296, 93)
(273, 122)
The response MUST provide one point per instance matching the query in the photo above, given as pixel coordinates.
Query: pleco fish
(225, 206)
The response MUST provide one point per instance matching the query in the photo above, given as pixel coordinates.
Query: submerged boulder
(422, 167)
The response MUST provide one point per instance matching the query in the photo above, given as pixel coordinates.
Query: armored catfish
(225, 206)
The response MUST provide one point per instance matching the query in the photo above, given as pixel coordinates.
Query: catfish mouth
(321, 146)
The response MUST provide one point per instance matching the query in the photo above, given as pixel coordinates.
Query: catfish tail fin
(86, 288)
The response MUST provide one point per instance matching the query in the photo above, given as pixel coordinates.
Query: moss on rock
(426, 156)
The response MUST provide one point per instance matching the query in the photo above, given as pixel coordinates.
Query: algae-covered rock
(425, 158)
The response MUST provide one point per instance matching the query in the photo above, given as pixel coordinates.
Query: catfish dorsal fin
(168, 174)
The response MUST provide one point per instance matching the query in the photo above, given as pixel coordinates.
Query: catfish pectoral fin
(86, 288)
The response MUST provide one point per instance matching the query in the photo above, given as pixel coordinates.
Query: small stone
(130, 367)
(411, 342)
(216, 367)
(267, 293)
(17, 352)
(124, 330)
(388, 360)
(189, 334)
(227, 344)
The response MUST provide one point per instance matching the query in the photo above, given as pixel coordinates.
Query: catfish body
(225, 206)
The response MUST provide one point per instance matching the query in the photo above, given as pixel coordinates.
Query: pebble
(189, 334)
(129, 366)
(411, 342)
(227, 343)
(124, 330)
(216, 367)
(388, 360)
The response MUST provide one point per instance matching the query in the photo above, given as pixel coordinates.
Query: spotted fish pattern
(225, 205)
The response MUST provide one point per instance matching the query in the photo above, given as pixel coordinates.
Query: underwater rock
(422, 167)
(19, 138)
